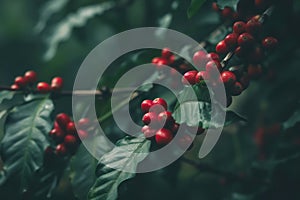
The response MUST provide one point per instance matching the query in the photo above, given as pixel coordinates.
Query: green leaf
(291, 122)
(25, 140)
(229, 3)
(83, 166)
(194, 7)
(110, 170)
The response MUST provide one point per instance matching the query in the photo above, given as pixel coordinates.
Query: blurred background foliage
(54, 37)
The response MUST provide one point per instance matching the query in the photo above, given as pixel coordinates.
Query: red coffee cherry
(70, 141)
(167, 118)
(84, 123)
(239, 27)
(200, 76)
(254, 71)
(21, 81)
(61, 150)
(227, 13)
(166, 53)
(213, 56)
(228, 78)
(160, 101)
(231, 40)
(163, 136)
(148, 132)
(236, 89)
(43, 87)
(146, 105)
(15, 87)
(245, 40)
(175, 128)
(57, 84)
(150, 117)
(269, 43)
(221, 47)
(200, 59)
(254, 27)
(215, 7)
(71, 129)
(82, 134)
(62, 119)
(155, 60)
(189, 77)
(57, 135)
(213, 68)
(31, 76)
(240, 51)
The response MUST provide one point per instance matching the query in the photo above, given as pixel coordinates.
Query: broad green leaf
(110, 170)
(229, 3)
(295, 118)
(25, 140)
(194, 7)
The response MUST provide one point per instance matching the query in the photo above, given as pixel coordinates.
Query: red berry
(215, 7)
(163, 136)
(82, 134)
(201, 76)
(146, 105)
(21, 81)
(57, 83)
(213, 68)
(227, 13)
(200, 59)
(231, 40)
(150, 118)
(269, 43)
(15, 87)
(189, 77)
(61, 150)
(166, 53)
(71, 129)
(221, 47)
(175, 128)
(31, 76)
(166, 118)
(84, 123)
(253, 27)
(245, 40)
(57, 135)
(256, 55)
(43, 87)
(228, 78)
(236, 89)
(212, 56)
(148, 132)
(62, 119)
(155, 60)
(254, 71)
(239, 27)
(160, 101)
(70, 141)
(162, 62)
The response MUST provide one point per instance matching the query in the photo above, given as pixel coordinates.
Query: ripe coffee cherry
(200, 59)
(212, 56)
(155, 60)
(166, 53)
(236, 89)
(175, 128)
(239, 27)
(15, 87)
(185, 142)
(71, 129)
(146, 105)
(62, 119)
(228, 78)
(150, 117)
(43, 87)
(70, 141)
(256, 55)
(231, 40)
(163, 136)
(31, 76)
(84, 123)
(160, 101)
(57, 135)
(227, 13)
(213, 68)
(56, 83)
(166, 118)
(200, 76)
(245, 40)
(189, 77)
(148, 132)
(215, 6)
(82, 134)
(221, 47)
(254, 71)
(21, 81)
(269, 43)
(61, 150)
(253, 27)
(241, 52)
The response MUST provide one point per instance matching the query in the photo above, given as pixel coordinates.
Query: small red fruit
(160, 101)
(231, 40)
(166, 53)
(228, 78)
(256, 55)
(57, 84)
(150, 118)
(70, 141)
(200, 76)
(31, 76)
(269, 43)
(21, 81)
(236, 89)
(239, 27)
(227, 13)
(82, 134)
(215, 6)
(61, 150)
(84, 123)
(200, 59)
(175, 128)
(146, 105)
(163, 136)
(166, 118)
(189, 77)
(222, 47)
(148, 132)
(57, 135)
(245, 40)
(71, 129)
(62, 119)
(213, 67)
(155, 60)
(213, 56)
(15, 87)
(43, 87)
(254, 27)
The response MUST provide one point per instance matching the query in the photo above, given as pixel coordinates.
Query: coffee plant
(250, 48)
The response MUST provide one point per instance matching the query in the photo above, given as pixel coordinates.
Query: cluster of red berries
(167, 58)
(65, 134)
(159, 123)
(30, 77)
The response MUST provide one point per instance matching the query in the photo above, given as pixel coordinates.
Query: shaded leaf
(292, 121)
(110, 170)
(194, 7)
